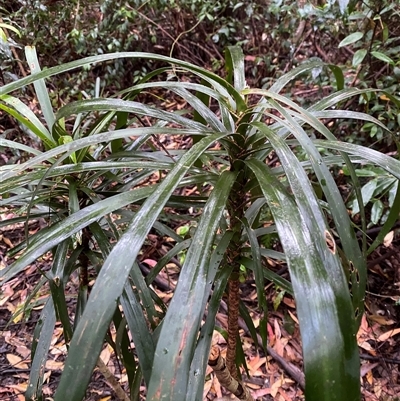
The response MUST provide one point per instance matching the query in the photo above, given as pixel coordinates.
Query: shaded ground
(270, 378)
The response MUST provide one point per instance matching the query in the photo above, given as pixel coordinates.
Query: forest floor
(276, 375)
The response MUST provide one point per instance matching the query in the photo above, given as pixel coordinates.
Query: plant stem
(217, 362)
(233, 327)
(236, 211)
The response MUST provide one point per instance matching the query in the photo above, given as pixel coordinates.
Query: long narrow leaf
(176, 345)
(42, 339)
(198, 367)
(217, 82)
(324, 307)
(49, 237)
(27, 117)
(88, 337)
(91, 140)
(259, 279)
(337, 207)
(386, 162)
(141, 335)
(128, 106)
(40, 87)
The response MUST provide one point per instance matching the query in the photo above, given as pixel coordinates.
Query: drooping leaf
(42, 339)
(141, 336)
(200, 357)
(49, 237)
(324, 307)
(88, 337)
(176, 345)
(259, 279)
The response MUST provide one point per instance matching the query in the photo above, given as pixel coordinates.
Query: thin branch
(112, 381)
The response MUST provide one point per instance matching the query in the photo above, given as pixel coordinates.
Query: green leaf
(15, 145)
(82, 106)
(323, 302)
(237, 59)
(27, 118)
(10, 28)
(58, 276)
(328, 185)
(88, 141)
(386, 162)
(259, 279)
(358, 57)
(145, 296)
(367, 192)
(269, 275)
(181, 246)
(49, 237)
(220, 84)
(88, 337)
(376, 211)
(352, 38)
(40, 86)
(42, 337)
(203, 110)
(383, 57)
(285, 79)
(138, 328)
(244, 313)
(339, 76)
(69, 169)
(200, 358)
(343, 5)
(179, 333)
(205, 99)
(391, 220)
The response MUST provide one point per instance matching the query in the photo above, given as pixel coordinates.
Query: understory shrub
(90, 184)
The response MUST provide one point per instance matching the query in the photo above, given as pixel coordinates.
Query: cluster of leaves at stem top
(87, 183)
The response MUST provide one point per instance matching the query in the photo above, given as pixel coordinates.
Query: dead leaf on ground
(17, 362)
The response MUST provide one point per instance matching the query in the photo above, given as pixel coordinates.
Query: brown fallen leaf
(261, 392)
(54, 365)
(17, 362)
(7, 293)
(382, 320)
(388, 334)
(367, 367)
(20, 387)
(387, 241)
(7, 241)
(255, 363)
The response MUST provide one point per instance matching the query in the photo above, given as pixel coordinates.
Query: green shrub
(87, 184)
